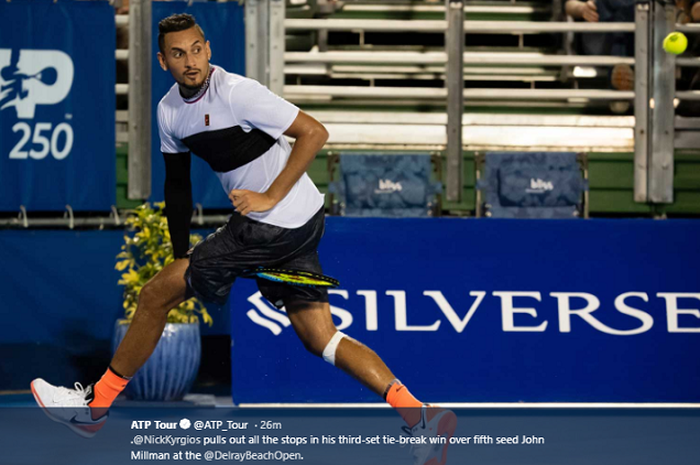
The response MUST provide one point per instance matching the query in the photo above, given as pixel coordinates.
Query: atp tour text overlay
(266, 440)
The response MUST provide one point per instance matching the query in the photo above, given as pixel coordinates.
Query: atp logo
(33, 77)
(29, 78)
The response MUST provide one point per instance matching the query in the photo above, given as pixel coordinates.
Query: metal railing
(469, 58)
(470, 27)
(654, 91)
(474, 58)
(292, 91)
(441, 58)
(469, 9)
(115, 220)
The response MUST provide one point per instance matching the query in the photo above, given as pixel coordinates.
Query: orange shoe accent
(107, 389)
(36, 396)
(446, 428)
(405, 404)
(92, 429)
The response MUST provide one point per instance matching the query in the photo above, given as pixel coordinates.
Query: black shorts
(243, 244)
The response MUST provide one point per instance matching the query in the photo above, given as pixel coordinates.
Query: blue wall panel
(60, 300)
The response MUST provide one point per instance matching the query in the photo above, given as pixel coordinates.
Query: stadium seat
(384, 185)
(532, 185)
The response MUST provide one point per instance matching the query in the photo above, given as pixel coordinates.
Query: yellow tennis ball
(676, 43)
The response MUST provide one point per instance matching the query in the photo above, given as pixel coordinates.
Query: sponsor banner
(223, 26)
(492, 311)
(57, 106)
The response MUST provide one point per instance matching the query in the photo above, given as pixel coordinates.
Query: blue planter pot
(172, 369)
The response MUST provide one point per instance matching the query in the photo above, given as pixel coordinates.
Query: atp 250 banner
(57, 105)
(492, 311)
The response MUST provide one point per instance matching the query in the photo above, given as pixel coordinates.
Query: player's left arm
(310, 137)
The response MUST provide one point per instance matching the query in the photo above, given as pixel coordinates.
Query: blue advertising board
(57, 105)
(60, 302)
(223, 27)
(492, 311)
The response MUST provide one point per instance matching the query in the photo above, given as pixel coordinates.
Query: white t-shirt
(236, 125)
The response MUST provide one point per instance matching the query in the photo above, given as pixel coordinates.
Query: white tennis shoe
(442, 424)
(68, 406)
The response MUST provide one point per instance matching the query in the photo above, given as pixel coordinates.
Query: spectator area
(395, 100)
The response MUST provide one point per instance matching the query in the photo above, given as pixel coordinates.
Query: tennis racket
(293, 277)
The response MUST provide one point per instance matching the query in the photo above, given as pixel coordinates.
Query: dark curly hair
(176, 23)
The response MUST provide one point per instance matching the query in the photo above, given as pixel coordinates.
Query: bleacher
(374, 73)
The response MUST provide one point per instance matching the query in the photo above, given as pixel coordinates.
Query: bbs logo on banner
(57, 106)
(36, 77)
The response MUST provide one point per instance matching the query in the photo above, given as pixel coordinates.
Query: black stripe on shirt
(230, 148)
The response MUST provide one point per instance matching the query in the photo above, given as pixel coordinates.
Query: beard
(188, 90)
(195, 87)
(192, 87)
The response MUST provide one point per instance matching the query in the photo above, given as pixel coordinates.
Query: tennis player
(237, 126)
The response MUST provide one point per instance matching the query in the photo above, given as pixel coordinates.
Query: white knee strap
(331, 347)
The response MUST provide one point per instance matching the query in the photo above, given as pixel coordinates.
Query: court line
(490, 405)
(9, 393)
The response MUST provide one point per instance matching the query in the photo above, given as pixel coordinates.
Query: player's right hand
(246, 201)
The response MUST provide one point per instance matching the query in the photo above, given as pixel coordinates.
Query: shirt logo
(206, 120)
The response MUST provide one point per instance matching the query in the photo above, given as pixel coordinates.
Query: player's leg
(313, 323)
(165, 291)
(207, 273)
(310, 315)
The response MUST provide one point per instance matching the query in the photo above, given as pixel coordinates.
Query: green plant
(147, 250)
